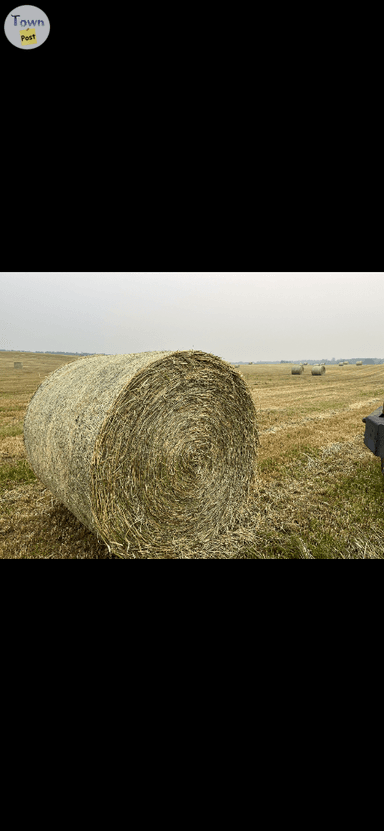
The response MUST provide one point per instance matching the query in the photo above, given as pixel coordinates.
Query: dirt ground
(319, 493)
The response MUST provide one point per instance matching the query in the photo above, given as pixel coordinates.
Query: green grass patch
(39, 551)
(269, 465)
(20, 472)
(322, 543)
(295, 455)
(12, 430)
(315, 542)
(288, 412)
(322, 407)
(318, 544)
(362, 491)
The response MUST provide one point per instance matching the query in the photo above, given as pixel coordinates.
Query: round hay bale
(318, 370)
(297, 369)
(146, 448)
(341, 363)
(17, 365)
(359, 363)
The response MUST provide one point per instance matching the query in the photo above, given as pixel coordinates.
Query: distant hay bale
(341, 363)
(297, 369)
(359, 363)
(146, 448)
(305, 363)
(346, 362)
(318, 370)
(17, 365)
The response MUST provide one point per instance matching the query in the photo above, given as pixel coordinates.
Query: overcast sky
(246, 316)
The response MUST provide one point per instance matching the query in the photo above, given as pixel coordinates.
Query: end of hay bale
(318, 369)
(146, 448)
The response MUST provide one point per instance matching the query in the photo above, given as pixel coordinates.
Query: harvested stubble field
(319, 492)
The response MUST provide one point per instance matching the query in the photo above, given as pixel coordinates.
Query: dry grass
(319, 490)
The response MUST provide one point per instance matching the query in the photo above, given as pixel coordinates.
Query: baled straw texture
(341, 363)
(359, 363)
(318, 370)
(17, 365)
(146, 448)
(297, 369)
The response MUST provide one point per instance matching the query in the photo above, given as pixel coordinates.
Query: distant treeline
(322, 361)
(39, 352)
(244, 363)
(338, 360)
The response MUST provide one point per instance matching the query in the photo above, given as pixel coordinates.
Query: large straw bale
(297, 369)
(146, 448)
(17, 365)
(318, 370)
(359, 363)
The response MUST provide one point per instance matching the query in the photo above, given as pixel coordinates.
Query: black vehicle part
(374, 433)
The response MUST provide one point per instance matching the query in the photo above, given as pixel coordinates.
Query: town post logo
(27, 27)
